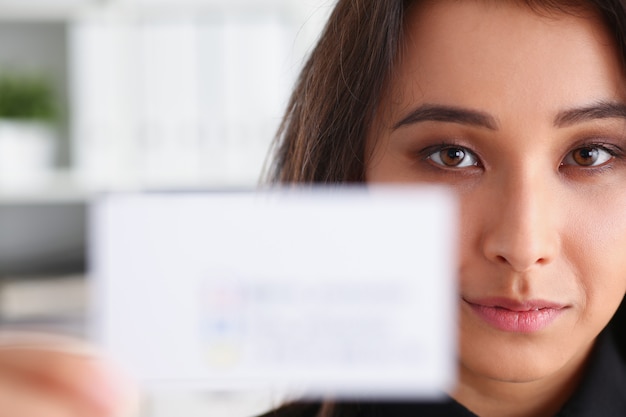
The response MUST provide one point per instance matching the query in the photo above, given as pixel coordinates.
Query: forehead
(506, 57)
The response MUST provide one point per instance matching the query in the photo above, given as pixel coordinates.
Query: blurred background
(110, 95)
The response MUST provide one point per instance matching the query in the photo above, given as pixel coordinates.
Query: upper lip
(516, 305)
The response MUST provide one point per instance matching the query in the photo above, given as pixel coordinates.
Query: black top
(602, 393)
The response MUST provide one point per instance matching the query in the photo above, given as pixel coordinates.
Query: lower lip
(516, 321)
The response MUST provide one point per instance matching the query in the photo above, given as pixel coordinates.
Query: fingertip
(73, 368)
(113, 391)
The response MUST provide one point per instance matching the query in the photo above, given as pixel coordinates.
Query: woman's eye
(453, 157)
(588, 156)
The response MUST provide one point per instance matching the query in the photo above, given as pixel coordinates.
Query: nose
(520, 229)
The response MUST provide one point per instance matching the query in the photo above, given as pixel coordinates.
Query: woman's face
(524, 115)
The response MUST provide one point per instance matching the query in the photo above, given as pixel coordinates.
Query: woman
(520, 106)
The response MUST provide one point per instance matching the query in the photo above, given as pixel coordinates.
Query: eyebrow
(600, 110)
(450, 114)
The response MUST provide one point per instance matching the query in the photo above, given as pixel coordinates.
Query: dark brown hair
(322, 136)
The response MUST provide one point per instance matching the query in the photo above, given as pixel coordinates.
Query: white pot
(27, 151)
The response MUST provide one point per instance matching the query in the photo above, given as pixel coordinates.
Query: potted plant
(28, 119)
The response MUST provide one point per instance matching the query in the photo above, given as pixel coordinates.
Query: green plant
(27, 97)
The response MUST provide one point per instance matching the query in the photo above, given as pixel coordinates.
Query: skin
(40, 377)
(541, 186)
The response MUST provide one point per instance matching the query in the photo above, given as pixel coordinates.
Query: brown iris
(586, 156)
(452, 156)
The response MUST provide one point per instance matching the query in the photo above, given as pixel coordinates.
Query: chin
(517, 361)
(516, 374)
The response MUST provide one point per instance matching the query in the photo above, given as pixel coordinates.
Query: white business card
(348, 293)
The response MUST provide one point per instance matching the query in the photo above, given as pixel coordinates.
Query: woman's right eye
(453, 157)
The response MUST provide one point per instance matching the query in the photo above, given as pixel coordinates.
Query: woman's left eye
(588, 156)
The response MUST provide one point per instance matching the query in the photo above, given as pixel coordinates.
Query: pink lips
(514, 316)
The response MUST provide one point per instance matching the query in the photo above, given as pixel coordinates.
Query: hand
(56, 377)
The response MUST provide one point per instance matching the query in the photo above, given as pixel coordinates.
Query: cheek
(596, 244)
(479, 210)
(597, 221)
(384, 166)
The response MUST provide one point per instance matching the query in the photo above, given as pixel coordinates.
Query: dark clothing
(603, 388)
(602, 393)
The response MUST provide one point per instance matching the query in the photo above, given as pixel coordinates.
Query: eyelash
(614, 152)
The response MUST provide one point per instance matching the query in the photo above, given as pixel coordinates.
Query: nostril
(517, 246)
(519, 265)
(501, 259)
